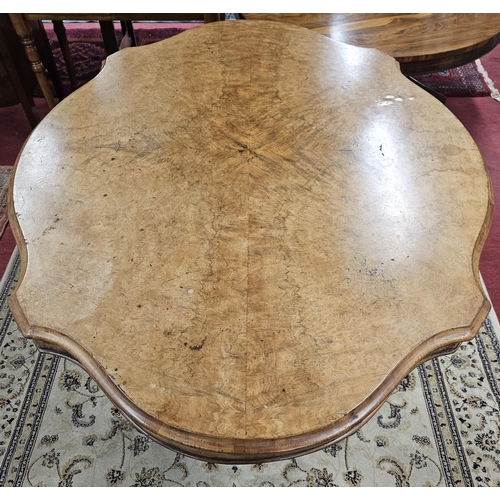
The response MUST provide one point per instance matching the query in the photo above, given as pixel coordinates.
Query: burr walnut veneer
(249, 234)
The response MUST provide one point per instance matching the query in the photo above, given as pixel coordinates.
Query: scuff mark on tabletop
(199, 346)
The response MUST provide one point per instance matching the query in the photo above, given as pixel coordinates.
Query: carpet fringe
(489, 82)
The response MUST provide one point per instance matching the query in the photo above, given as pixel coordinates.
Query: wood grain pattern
(250, 244)
(421, 43)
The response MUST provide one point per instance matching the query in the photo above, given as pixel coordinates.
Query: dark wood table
(249, 234)
(421, 43)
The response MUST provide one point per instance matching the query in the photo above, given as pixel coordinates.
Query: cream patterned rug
(441, 427)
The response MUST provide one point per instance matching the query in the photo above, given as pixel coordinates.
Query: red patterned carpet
(87, 47)
(464, 81)
(479, 113)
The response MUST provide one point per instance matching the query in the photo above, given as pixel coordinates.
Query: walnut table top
(248, 234)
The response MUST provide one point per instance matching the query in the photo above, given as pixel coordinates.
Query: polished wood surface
(249, 244)
(421, 43)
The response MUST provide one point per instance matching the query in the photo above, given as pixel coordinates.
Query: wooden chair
(23, 29)
(17, 80)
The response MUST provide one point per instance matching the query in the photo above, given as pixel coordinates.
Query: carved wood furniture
(250, 242)
(17, 82)
(421, 43)
(21, 23)
(24, 31)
